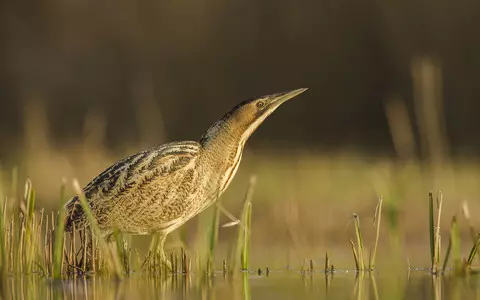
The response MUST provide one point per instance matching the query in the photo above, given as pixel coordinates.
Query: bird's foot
(165, 262)
(157, 260)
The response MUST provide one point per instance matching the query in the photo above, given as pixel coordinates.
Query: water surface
(277, 285)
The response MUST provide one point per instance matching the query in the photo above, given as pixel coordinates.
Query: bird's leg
(159, 249)
(156, 250)
(150, 259)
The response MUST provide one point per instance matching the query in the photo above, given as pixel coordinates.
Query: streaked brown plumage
(157, 190)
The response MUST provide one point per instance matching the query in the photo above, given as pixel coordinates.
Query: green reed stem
(376, 222)
(213, 239)
(113, 262)
(361, 248)
(59, 236)
(453, 247)
(327, 263)
(246, 237)
(241, 244)
(471, 227)
(355, 255)
(438, 243)
(431, 224)
(435, 239)
(29, 243)
(473, 251)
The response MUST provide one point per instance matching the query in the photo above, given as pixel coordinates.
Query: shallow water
(277, 285)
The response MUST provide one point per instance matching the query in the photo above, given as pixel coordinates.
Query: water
(277, 285)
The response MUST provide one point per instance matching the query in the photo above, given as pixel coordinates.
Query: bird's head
(245, 118)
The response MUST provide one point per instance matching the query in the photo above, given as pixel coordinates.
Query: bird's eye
(260, 104)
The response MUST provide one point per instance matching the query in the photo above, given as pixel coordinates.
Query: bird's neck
(224, 138)
(222, 151)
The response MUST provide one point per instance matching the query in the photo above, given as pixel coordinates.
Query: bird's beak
(280, 98)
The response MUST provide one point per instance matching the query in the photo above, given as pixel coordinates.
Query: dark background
(196, 59)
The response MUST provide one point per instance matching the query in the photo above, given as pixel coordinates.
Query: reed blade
(431, 224)
(361, 248)
(376, 222)
(471, 228)
(438, 243)
(59, 236)
(28, 225)
(355, 255)
(113, 260)
(473, 251)
(246, 238)
(453, 248)
(242, 231)
(213, 239)
(327, 263)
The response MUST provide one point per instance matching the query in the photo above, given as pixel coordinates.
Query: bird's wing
(129, 172)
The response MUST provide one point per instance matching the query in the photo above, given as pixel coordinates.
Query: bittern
(158, 190)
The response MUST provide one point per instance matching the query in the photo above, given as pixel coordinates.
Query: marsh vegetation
(38, 258)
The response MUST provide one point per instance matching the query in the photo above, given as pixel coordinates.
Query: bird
(155, 191)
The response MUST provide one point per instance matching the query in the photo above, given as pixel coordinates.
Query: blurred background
(392, 107)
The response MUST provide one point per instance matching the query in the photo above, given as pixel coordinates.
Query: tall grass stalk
(431, 227)
(213, 239)
(246, 237)
(59, 236)
(243, 238)
(358, 233)
(355, 255)
(466, 214)
(453, 247)
(437, 227)
(112, 257)
(473, 252)
(376, 223)
(434, 229)
(327, 263)
(28, 228)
